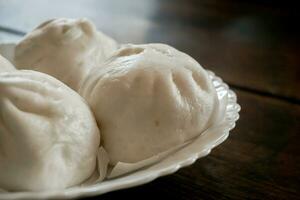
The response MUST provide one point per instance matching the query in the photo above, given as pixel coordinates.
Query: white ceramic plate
(200, 147)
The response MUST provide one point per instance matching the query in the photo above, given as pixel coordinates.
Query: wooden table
(253, 45)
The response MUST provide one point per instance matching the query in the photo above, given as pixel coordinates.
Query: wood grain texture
(253, 45)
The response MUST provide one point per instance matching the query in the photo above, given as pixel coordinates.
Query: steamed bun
(48, 135)
(64, 48)
(148, 99)
(5, 65)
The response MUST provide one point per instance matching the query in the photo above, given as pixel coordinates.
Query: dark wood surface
(253, 45)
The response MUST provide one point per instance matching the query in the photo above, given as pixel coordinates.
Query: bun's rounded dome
(148, 99)
(64, 48)
(48, 135)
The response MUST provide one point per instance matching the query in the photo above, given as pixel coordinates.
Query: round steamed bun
(148, 99)
(64, 48)
(48, 135)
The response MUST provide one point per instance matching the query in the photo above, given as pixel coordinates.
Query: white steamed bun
(5, 65)
(148, 99)
(48, 135)
(64, 48)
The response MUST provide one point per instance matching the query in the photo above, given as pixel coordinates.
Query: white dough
(5, 65)
(48, 135)
(64, 48)
(148, 99)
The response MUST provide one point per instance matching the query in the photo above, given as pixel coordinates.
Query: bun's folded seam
(64, 48)
(148, 99)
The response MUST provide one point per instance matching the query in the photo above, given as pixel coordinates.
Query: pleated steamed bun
(64, 48)
(5, 65)
(48, 135)
(148, 99)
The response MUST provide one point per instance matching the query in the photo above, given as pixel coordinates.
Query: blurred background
(252, 45)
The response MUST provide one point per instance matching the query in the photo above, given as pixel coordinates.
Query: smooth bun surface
(5, 65)
(148, 99)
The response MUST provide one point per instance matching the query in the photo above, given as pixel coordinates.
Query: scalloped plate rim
(131, 180)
